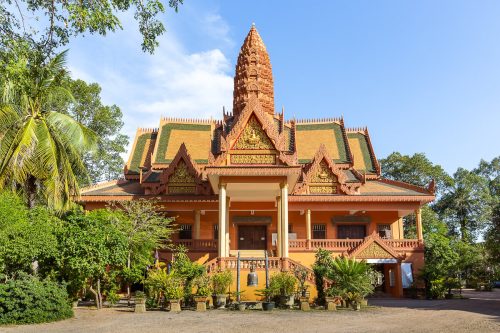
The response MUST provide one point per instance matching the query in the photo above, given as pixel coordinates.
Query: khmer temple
(255, 182)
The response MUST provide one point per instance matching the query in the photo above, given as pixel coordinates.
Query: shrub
(283, 283)
(29, 300)
(221, 282)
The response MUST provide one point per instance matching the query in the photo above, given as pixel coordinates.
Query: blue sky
(424, 76)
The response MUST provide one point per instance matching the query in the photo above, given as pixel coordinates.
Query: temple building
(254, 181)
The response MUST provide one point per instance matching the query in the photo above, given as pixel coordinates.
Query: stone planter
(220, 301)
(332, 302)
(364, 302)
(175, 305)
(287, 301)
(356, 306)
(201, 303)
(75, 304)
(140, 305)
(267, 306)
(242, 306)
(304, 303)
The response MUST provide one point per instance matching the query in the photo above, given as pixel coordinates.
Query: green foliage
(162, 283)
(72, 18)
(85, 106)
(301, 276)
(28, 300)
(202, 284)
(40, 148)
(323, 260)
(26, 237)
(221, 281)
(466, 206)
(416, 169)
(438, 289)
(283, 283)
(351, 276)
(187, 270)
(92, 247)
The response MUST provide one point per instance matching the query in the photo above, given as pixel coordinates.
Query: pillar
(227, 227)
(418, 216)
(197, 215)
(279, 240)
(398, 280)
(221, 246)
(401, 230)
(284, 219)
(308, 228)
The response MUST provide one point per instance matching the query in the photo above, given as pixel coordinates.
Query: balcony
(346, 245)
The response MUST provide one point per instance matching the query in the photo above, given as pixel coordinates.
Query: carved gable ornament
(253, 137)
(374, 251)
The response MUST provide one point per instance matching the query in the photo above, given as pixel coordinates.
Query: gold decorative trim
(323, 189)
(181, 189)
(253, 159)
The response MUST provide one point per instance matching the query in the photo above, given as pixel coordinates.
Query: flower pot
(201, 303)
(242, 306)
(364, 302)
(287, 301)
(140, 305)
(220, 301)
(356, 306)
(332, 302)
(304, 303)
(175, 305)
(267, 306)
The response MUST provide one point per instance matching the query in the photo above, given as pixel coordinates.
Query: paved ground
(479, 313)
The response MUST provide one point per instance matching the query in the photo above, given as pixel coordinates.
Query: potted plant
(333, 298)
(140, 302)
(174, 291)
(355, 300)
(240, 304)
(284, 283)
(221, 281)
(268, 294)
(202, 292)
(301, 275)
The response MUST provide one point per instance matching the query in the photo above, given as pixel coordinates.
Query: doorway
(252, 237)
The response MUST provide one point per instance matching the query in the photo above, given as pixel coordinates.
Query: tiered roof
(330, 159)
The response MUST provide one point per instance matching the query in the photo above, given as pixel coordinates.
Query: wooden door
(252, 237)
(351, 231)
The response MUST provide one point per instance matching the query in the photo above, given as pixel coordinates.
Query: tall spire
(254, 76)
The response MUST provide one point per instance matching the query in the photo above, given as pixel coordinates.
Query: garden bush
(28, 300)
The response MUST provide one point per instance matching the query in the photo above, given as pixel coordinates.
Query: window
(186, 231)
(319, 231)
(384, 231)
(216, 231)
(348, 231)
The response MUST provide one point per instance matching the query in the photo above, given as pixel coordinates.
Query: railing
(341, 245)
(405, 244)
(197, 244)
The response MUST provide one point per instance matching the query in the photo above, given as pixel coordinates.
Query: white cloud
(173, 82)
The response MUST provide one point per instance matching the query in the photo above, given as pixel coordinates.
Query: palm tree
(39, 148)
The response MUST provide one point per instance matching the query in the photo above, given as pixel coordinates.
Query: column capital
(284, 185)
(222, 185)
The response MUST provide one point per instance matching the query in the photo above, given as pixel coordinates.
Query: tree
(416, 169)
(39, 147)
(28, 241)
(145, 230)
(92, 249)
(105, 163)
(466, 206)
(71, 18)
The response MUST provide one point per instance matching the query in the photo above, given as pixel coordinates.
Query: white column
(284, 216)
(227, 227)
(197, 215)
(222, 221)
(279, 241)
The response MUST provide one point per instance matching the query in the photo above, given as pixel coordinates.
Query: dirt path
(480, 313)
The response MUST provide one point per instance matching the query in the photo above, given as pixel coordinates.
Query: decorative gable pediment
(254, 139)
(322, 176)
(182, 176)
(373, 247)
